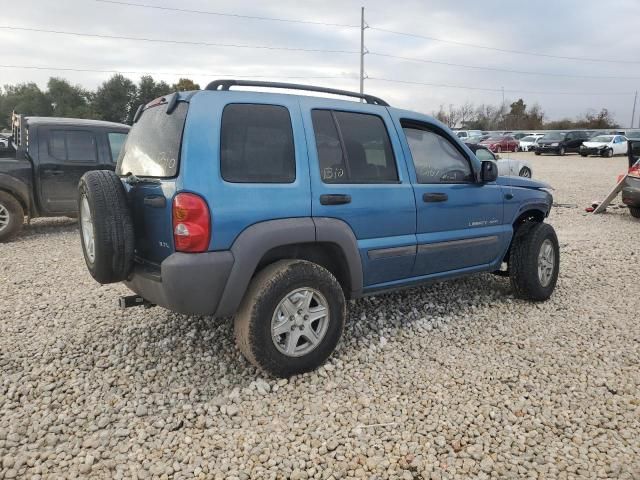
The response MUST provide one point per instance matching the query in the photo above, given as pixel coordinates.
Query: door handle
(435, 197)
(334, 199)
(54, 172)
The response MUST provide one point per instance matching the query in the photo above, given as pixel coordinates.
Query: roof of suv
(80, 122)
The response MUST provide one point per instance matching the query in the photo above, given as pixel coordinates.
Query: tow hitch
(134, 301)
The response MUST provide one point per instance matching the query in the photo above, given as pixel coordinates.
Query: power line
(222, 14)
(176, 74)
(496, 69)
(505, 50)
(497, 90)
(177, 42)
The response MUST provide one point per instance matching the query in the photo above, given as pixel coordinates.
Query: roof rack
(227, 84)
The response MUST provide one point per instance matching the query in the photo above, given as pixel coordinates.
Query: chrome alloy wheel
(546, 263)
(300, 322)
(86, 224)
(5, 218)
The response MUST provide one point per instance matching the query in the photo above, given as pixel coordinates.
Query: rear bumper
(631, 193)
(189, 283)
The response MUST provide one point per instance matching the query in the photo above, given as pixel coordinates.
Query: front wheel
(498, 149)
(11, 216)
(291, 318)
(562, 151)
(635, 212)
(608, 153)
(534, 261)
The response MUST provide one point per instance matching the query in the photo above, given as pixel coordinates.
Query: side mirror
(488, 171)
(498, 157)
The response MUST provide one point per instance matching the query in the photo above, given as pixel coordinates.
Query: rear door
(358, 175)
(459, 221)
(64, 155)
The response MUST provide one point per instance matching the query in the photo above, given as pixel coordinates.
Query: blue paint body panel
(401, 239)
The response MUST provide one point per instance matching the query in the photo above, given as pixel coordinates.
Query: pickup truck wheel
(635, 212)
(534, 261)
(106, 228)
(291, 318)
(11, 216)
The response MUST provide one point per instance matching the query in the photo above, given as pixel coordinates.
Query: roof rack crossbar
(227, 84)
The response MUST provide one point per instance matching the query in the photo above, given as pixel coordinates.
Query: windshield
(602, 138)
(528, 139)
(553, 136)
(494, 139)
(152, 148)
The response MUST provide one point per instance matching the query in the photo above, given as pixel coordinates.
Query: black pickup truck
(41, 168)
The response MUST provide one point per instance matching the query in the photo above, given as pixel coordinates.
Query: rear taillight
(191, 223)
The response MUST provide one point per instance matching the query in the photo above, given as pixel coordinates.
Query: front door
(64, 156)
(358, 175)
(459, 220)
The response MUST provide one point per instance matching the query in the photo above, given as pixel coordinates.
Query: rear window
(73, 146)
(256, 144)
(152, 148)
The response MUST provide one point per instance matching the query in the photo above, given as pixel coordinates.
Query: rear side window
(353, 148)
(256, 144)
(116, 141)
(152, 148)
(73, 146)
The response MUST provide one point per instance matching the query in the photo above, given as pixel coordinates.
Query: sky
(603, 35)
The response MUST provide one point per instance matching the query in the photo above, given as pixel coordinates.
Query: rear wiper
(131, 179)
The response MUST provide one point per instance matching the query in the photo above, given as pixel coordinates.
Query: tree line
(519, 116)
(115, 100)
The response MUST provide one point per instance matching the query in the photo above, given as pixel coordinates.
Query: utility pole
(362, 50)
(504, 115)
(633, 113)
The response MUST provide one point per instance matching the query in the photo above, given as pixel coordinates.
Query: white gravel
(456, 380)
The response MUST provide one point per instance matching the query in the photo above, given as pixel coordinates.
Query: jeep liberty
(277, 208)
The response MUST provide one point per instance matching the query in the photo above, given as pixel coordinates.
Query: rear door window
(73, 146)
(152, 148)
(353, 148)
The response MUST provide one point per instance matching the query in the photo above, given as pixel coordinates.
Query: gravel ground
(455, 380)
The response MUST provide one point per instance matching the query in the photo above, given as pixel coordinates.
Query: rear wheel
(562, 151)
(11, 216)
(106, 228)
(534, 261)
(537, 152)
(583, 154)
(498, 149)
(635, 212)
(291, 318)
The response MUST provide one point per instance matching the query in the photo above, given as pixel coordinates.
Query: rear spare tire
(106, 228)
(635, 212)
(11, 216)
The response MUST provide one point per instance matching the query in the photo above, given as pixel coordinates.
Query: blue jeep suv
(277, 208)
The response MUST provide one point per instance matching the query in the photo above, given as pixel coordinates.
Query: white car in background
(4, 143)
(529, 142)
(604, 146)
(506, 166)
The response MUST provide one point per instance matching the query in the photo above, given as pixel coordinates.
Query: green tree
(114, 99)
(25, 98)
(185, 85)
(68, 100)
(148, 89)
